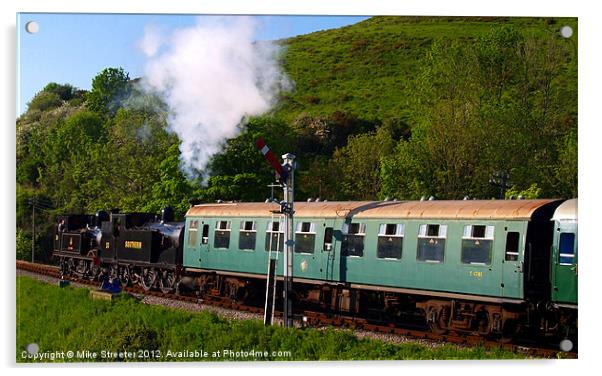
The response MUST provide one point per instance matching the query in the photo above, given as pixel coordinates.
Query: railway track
(313, 319)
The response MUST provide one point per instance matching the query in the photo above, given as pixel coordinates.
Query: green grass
(368, 69)
(67, 319)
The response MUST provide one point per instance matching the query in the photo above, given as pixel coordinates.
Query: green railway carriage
(482, 250)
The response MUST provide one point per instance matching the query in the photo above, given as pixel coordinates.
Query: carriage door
(196, 245)
(328, 251)
(564, 263)
(203, 244)
(512, 274)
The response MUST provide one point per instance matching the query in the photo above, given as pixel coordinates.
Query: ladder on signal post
(270, 289)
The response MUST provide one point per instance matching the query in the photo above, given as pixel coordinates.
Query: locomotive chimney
(167, 214)
(101, 216)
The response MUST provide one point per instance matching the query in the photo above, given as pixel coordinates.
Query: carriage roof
(440, 209)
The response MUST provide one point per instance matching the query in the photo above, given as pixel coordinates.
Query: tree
(109, 88)
(172, 188)
(566, 169)
(65, 92)
(69, 155)
(357, 165)
(495, 105)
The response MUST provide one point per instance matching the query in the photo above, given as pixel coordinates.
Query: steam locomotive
(487, 267)
(135, 248)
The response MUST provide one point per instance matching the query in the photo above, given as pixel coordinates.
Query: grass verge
(68, 326)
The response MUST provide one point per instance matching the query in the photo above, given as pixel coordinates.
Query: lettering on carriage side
(475, 274)
(133, 244)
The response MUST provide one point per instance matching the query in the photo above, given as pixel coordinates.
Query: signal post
(286, 174)
(289, 236)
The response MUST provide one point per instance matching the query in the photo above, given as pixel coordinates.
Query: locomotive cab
(73, 235)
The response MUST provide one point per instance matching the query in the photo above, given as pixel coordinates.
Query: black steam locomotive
(134, 248)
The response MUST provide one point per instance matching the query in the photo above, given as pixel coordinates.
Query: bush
(44, 100)
(65, 92)
(23, 245)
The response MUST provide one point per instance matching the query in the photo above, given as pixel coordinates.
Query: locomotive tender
(493, 267)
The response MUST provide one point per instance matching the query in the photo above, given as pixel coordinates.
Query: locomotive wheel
(135, 276)
(81, 269)
(94, 272)
(70, 268)
(64, 267)
(167, 282)
(113, 272)
(149, 278)
(124, 276)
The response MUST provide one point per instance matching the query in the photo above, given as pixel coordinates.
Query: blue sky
(73, 48)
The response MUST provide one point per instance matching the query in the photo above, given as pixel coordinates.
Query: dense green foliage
(68, 320)
(398, 107)
(109, 89)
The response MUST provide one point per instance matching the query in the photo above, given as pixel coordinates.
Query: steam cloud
(212, 76)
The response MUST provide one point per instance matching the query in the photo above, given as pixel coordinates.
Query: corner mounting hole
(32, 27)
(566, 31)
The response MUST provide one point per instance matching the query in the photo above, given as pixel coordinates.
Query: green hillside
(369, 69)
(398, 107)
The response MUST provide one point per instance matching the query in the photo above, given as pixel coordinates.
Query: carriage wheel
(434, 322)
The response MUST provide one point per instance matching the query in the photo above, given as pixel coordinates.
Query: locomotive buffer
(285, 173)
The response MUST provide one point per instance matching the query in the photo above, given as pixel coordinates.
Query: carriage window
(222, 225)
(328, 235)
(305, 237)
(477, 243)
(353, 239)
(205, 237)
(512, 246)
(247, 235)
(390, 241)
(431, 243)
(222, 234)
(192, 233)
(274, 237)
(566, 248)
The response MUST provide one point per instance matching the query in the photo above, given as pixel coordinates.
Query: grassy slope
(367, 69)
(67, 319)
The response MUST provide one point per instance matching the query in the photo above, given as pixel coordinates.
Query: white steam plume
(212, 76)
